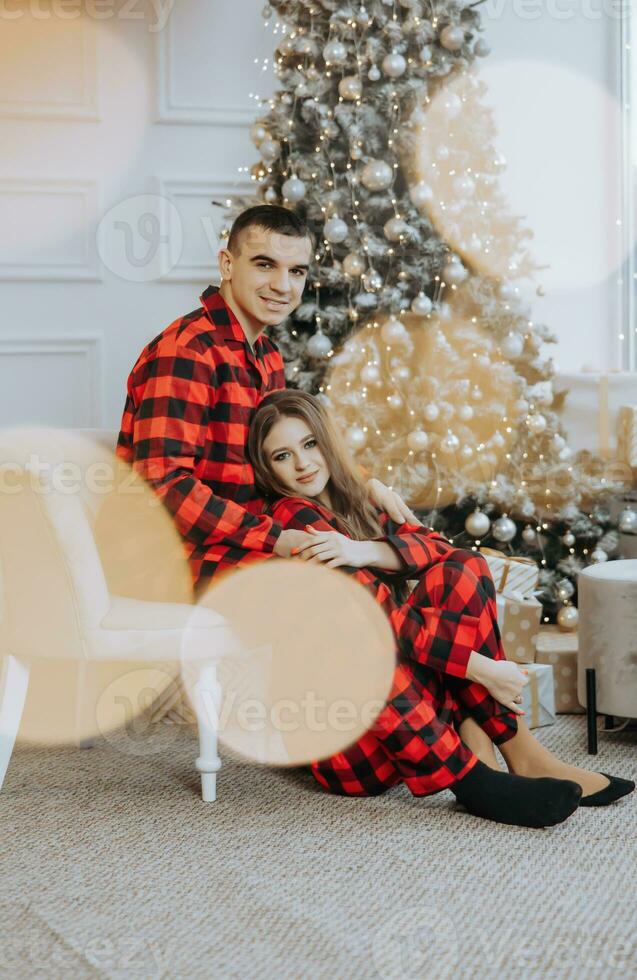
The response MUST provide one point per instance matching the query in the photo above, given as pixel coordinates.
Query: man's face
(267, 277)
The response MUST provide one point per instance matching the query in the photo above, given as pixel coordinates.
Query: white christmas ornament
(507, 291)
(504, 529)
(465, 413)
(452, 37)
(529, 535)
(568, 539)
(418, 440)
(466, 453)
(393, 332)
(395, 401)
(431, 412)
(421, 195)
(319, 346)
(293, 189)
(334, 53)
(477, 524)
(271, 195)
(350, 88)
(335, 230)
(449, 443)
(372, 280)
(599, 556)
(421, 304)
(481, 48)
(394, 65)
(425, 53)
(370, 374)
(353, 265)
(258, 133)
(627, 521)
(377, 175)
(355, 437)
(374, 73)
(269, 150)
(455, 272)
(513, 345)
(394, 228)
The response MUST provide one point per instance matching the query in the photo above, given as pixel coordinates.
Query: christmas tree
(412, 326)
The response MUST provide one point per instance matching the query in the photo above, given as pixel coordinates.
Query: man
(194, 388)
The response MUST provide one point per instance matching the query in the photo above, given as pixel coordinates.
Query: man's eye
(300, 272)
(264, 265)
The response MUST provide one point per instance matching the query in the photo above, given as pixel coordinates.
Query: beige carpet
(113, 867)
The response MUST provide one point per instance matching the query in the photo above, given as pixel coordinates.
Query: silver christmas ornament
(529, 534)
(455, 272)
(293, 189)
(421, 304)
(568, 618)
(377, 175)
(269, 150)
(334, 53)
(353, 265)
(395, 401)
(319, 346)
(421, 195)
(465, 413)
(627, 521)
(350, 88)
(504, 529)
(418, 440)
(355, 152)
(599, 556)
(477, 524)
(481, 48)
(425, 53)
(402, 372)
(394, 228)
(536, 423)
(466, 453)
(565, 589)
(452, 37)
(271, 196)
(568, 539)
(394, 65)
(374, 73)
(335, 230)
(363, 17)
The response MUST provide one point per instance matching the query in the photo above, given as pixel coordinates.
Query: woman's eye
(310, 444)
(280, 457)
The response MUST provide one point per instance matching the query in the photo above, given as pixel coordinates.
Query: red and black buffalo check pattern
(190, 399)
(449, 613)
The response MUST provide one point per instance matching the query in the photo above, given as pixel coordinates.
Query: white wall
(553, 72)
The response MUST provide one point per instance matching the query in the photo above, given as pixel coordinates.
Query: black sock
(518, 800)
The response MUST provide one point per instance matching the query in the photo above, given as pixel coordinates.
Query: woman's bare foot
(479, 743)
(525, 756)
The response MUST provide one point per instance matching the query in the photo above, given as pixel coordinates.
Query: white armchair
(54, 597)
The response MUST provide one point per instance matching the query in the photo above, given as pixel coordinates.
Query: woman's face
(295, 458)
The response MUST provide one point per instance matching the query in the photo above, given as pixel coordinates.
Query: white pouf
(607, 602)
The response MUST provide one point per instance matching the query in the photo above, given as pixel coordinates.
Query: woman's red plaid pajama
(450, 612)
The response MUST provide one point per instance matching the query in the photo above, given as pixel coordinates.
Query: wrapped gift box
(557, 648)
(538, 698)
(519, 620)
(512, 572)
(590, 411)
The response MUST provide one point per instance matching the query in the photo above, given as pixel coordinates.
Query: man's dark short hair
(272, 217)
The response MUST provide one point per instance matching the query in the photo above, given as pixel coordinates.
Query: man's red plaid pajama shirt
(449, 613)
(190, 398)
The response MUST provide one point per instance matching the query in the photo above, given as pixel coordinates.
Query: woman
(454, 693)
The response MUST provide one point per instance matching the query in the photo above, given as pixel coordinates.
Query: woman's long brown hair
(354, 513)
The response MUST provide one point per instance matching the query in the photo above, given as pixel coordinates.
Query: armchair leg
(206, 698)
(14, 682)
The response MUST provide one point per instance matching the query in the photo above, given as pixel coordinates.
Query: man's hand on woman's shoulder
(391, 502)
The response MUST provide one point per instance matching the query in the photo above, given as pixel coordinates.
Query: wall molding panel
(67, 229)
(199, 224)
